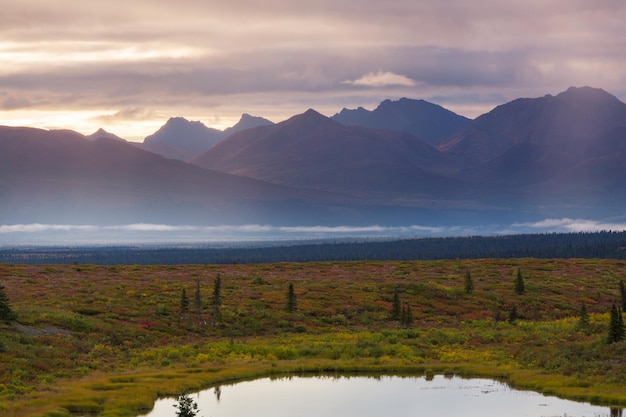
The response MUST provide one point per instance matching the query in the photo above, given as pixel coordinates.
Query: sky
(128, 66)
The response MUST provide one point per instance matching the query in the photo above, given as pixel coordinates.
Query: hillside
(61, 177)
(312, 151)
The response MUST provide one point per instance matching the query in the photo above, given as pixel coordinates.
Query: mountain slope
(313, 151)
(62, 177)
(549, 149)
(429, 122)
(180, 138)
(246, 122)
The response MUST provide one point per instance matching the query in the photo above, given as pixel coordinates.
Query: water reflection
(379, 396)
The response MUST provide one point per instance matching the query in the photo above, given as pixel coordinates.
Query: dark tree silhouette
(197, 301)
(184, 303)
(513, 315)
(469, 283)
(216, 300)
(583, 317)
(6, 313)
(291, 299)
(395, 306)
(616, 326)
(186, 406)
(520, 288)
(622, 291)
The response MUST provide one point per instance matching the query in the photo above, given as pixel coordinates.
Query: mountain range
(406, 162)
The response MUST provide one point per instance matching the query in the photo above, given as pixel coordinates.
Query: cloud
(130, 113)
(571, 225)
(39, 228)
(382, 79)
(280, 57)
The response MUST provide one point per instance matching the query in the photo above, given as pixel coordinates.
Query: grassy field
(109, 340)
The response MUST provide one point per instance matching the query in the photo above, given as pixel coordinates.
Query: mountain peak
(246, 122)
(103, 134)
(586, 93)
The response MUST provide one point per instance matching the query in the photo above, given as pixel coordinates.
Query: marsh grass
(123, 342)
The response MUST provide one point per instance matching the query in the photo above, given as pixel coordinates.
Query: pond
(378, 396)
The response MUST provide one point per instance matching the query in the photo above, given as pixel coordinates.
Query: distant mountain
(103, 134)
(555, 149)
(246, 122)
(429, 122)
(312, 151)
(533, 158)
(180, 138)
(62, 177)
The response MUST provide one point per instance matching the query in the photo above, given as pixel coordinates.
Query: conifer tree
(197, 300)
(291, 299)
(186, 406)
(6, 313)
(407, 315)
(184, 303)
(519, 282)
(583, 319)
(469, 283)
(616, 326)
(622, 291)
(395, 306)
(513, 315)
(216, 300)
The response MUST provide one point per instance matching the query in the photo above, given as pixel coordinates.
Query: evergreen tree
(395, 306)
(513, 315)
(519, 282)
(197, 300)
(6, 313)
(616, 326)
(216, 300)
(622, 291)
(583, 318)
(186, 406)
(469, 283)
(291, 299)
(407, 315)
(184, 303)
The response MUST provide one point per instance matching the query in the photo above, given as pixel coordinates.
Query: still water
(376, 397)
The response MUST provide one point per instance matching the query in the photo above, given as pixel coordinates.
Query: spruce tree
(583, 319)
(469, 283)
(519, 282)
(513, 315)
(407, 316)
(395, 306)
(6, 313)
(216, 300)
(197, 301)
(616, 326)
(186, 406)
(184, 303)
(291, 299)
(622, 291)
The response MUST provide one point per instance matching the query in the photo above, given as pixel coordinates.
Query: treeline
(604, 244)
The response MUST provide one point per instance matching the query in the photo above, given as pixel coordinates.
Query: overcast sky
(129, 65)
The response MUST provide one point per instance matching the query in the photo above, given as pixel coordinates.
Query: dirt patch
(41, 331)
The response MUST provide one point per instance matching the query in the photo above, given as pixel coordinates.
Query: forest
(604, 244)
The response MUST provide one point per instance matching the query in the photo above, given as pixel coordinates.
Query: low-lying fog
(228, 235)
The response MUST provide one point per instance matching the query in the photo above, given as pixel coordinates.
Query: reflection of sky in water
(378, 397)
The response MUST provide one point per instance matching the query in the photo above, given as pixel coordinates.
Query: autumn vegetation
(109, 340)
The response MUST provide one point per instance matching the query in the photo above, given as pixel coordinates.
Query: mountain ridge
(551, 156)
